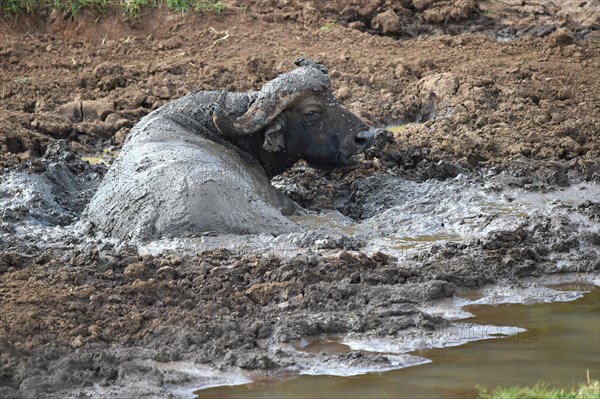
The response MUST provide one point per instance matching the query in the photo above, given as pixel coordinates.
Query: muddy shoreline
(492, 181)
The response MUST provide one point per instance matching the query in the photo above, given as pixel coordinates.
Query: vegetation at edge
(130, 8)
(591, 390)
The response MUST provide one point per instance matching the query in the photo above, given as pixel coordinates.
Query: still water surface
(561, 343)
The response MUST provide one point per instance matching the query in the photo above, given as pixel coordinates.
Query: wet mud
(492, 180)
(507, 360)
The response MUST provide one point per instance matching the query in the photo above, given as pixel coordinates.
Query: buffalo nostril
(360, 141)
(364, 139)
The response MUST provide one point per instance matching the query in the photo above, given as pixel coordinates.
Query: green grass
(591, 390)
(329, 26)
(130, 8)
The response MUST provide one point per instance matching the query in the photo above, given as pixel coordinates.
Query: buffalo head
(295, 116)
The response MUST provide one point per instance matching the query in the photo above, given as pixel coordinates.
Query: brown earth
(529, 105)
(536, 97)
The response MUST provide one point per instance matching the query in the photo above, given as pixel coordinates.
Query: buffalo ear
(274, 134)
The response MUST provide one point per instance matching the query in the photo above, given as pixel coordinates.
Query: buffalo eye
(312, 116)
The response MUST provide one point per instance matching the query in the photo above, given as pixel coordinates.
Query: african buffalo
(202, 163)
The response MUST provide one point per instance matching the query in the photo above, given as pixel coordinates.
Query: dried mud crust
(77, 312)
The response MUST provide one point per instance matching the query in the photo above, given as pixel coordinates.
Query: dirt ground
(508, 86)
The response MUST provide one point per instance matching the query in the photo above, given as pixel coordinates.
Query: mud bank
(514, 360)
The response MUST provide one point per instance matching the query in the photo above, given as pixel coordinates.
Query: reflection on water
(420, 242)
(333, 220)
(322, 345)
(560, 344)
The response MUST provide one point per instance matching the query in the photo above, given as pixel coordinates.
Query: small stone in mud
(562, 37)
(120, 136)
(164, 92)
(118, 122)
(263, 293)
(77, 342)
(564, 93)
(94, 330)
(107, 68)
(380, 257)
(358, 25)
(346, 257)
(135, 270)
(386, 22)
(343, 93)
(166, 272)
(262, 362)
(170, 44)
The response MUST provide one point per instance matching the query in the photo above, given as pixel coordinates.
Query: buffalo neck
(273, 163)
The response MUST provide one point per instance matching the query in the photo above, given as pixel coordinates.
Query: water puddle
(402, 246)
(331, 345)
(333, 220)
(520, 344)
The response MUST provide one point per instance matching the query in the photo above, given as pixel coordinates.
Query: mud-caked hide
(202, 163)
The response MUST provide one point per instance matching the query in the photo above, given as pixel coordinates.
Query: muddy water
(415, 217)
(559, 344)
(435, 212)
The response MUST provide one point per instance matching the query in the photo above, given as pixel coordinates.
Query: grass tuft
(329, 26)
(130, 8)
(591, 390)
